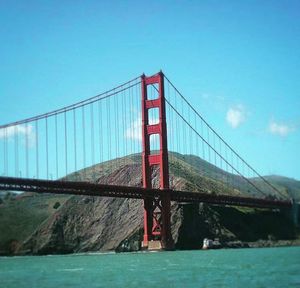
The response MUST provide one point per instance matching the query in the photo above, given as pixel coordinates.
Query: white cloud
(280, 129)
(20, 130)
(235, 116)
(134, 132)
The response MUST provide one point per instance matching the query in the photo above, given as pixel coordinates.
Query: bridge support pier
(157, 224)
(292, 212)
(296, 213)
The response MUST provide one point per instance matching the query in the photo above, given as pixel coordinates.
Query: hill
(288, 185)
(21, 215)
(46, 224)
(200, 169)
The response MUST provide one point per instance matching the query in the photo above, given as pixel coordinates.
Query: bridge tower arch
(157, 224)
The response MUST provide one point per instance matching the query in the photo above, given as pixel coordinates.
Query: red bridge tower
(157, 226)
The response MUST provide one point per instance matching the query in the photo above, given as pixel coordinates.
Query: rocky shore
(88, 224)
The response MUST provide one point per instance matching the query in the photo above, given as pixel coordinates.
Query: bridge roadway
(104, 190)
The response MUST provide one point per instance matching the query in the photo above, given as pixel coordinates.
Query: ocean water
(264, 267)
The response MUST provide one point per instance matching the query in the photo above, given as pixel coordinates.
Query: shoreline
(226, 245)
(261, 243)
(272, 243)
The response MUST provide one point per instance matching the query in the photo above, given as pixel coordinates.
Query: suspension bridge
(60, 151)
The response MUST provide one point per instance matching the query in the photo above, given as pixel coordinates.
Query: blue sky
(237, 62)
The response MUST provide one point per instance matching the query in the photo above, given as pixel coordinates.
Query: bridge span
(107, 190)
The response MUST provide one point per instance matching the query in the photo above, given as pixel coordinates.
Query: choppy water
(271, 267)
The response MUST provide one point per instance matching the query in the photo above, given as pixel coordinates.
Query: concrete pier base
(154, 245)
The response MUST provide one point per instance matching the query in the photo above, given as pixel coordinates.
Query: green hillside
(288, 185)
(29, 214)
(20, 216)
(201, 170)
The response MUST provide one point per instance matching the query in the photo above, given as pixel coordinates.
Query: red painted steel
(153, 129)
(157, 225)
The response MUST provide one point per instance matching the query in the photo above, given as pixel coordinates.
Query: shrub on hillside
(56, 205)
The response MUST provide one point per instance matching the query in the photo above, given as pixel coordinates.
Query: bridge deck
(92, 189)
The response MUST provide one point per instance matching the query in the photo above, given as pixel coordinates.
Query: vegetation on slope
(21, 215)
(57, 224)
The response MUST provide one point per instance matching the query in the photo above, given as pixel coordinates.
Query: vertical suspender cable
(66, 142)
(115, 128)
(5, 153)
(83, 142)
(190, 134)
(214, 136)
(183, 130)
(136, 93)
(92, 140)
(232, 174)
(108, 129)
(126, 126)
(100, 131)
(221, 165)
(123, 123)
(118, 124)
(3, 150)
(16, 150)
(56, 147)
(137, 106)
(169, 129)
(209, 159)
(37, 148)
(47, 149)
(238, 177)
(27, 149)
(75, 142)
(178, 128)
(249, 177)
(196, 140)
(226, 164)
(203, 147)
(131, 132)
